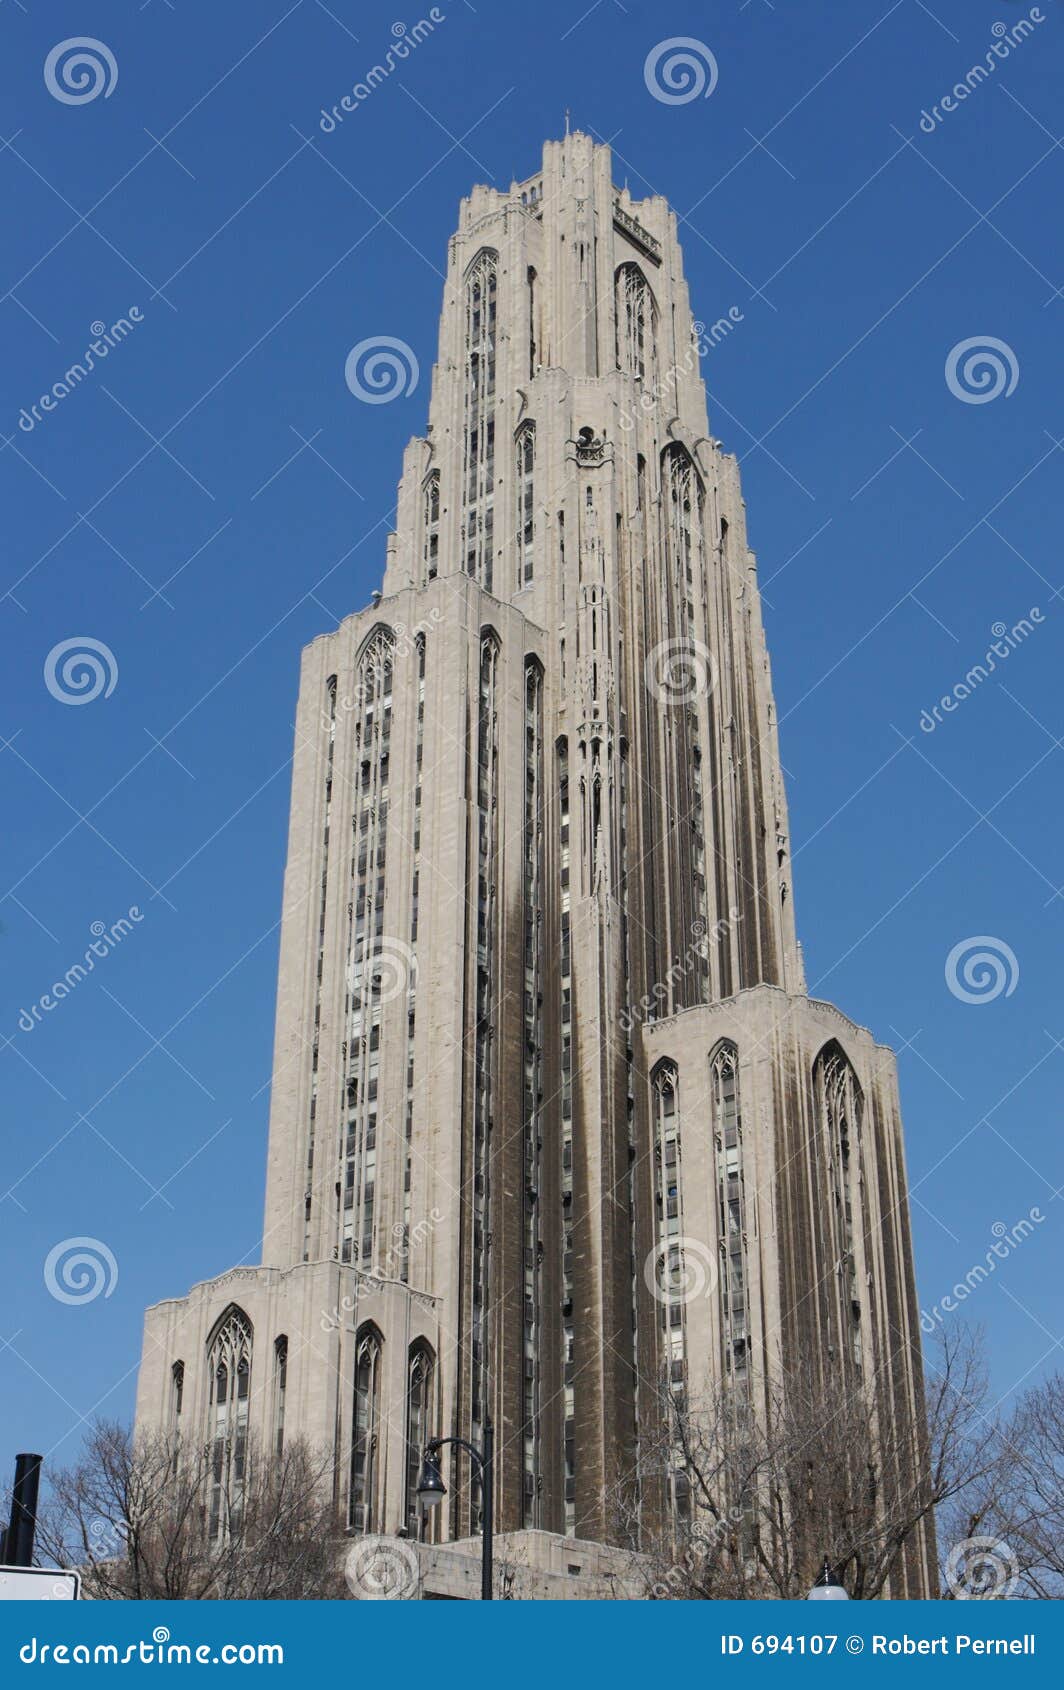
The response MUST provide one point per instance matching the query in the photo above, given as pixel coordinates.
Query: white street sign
(38, 1584)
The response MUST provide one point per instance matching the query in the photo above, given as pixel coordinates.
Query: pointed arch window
(636, 315)
(365, 945)
(669, 1265)
(420, 1380)
(280, 1391)
(365, 1430)
(841, 1106)
(478, 453)
(177, 1395)
(733, 1287)
(229, 1358)
(524, 481)
(533, 345)
(683, 500)
(431, 515)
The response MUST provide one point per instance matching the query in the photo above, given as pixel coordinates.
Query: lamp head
(431, 1489)
(827, 1587)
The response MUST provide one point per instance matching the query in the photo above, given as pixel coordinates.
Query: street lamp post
(16, 1545)
(827, 1587)
(431, 1490)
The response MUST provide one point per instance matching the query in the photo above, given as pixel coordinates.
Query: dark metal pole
(487, 1501)
(18, 1545)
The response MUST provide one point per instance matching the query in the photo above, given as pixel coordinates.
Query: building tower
(543, 1048)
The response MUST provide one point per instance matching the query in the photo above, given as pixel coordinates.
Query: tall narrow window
(478, 466)
(533, 346)
(177, 1395)
(280, 1389)
(484, 1035)
(532, 1090)
(411, 980)
(419, 1384)
(733, 1287)
(635, 317)
(841, 1107)
(431, 518)
(365, 913)
(365, 1430)
(684, 589)
(565, 968)
(308, 1195)
(669, 1267)
(524, 483)
(229, 1396)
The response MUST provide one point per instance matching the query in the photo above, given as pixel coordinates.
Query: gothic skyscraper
(553, 1118)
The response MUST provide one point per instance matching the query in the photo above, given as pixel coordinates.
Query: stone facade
(541, 1023)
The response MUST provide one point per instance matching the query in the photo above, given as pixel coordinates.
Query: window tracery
(842, 1106)
(229, 1394)
(635, 322)
(365, 1430)
(431, 520)
(365, 988)
(420, 1382)
(478, 469)
(733, 1287)
(524, 482)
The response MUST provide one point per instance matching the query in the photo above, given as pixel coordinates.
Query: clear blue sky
(212, 497)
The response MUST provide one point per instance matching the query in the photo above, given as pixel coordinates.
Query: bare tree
(133, 1513)
(820, 1465)
(1022, 1519)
